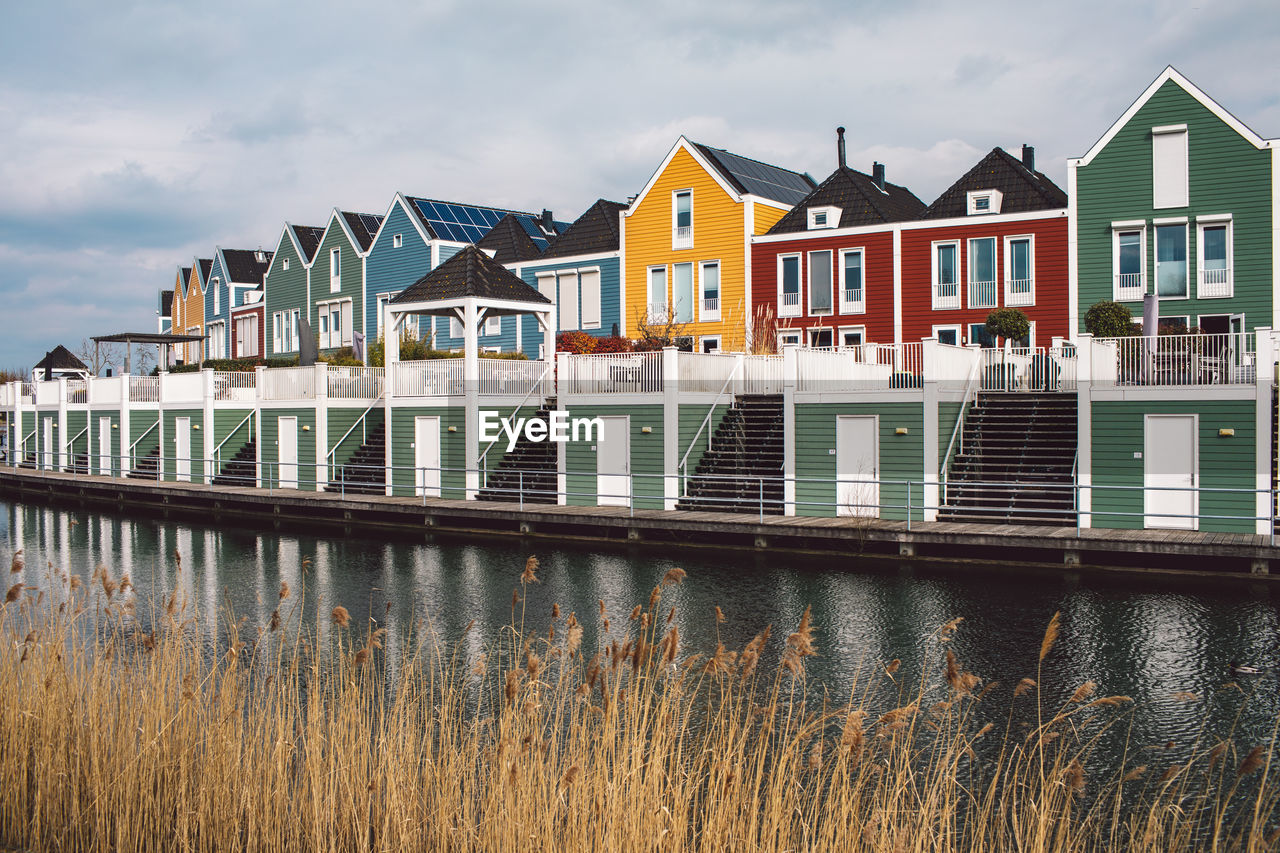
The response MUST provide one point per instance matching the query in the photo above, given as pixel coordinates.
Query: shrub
(577, 343)
(1009, 324)
(613, 343)
(1108, 319)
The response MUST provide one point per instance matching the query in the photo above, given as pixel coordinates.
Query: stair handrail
(23, 446)
(134, 444)
(71, 445)
(969, 390)
(537, 385)
(217, 451)
(331, 458)
(684, 461)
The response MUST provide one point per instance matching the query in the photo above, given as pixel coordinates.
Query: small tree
(1009, 324)
(1108, 319)
(658, 332)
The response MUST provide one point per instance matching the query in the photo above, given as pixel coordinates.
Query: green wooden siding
(139, 423)
(95, 417)
(170, 451)
(901, 456)
(691, 418)
(268, 447)
(77, 436)
(343, 419)
(646, 457)
(453, 450)
(947, 414)
(351, 279)
(285, 290)
(1225, 462)
(1227, 175)
(232, 432)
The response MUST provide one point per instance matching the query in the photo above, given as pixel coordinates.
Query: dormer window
(984, 201)
(260, 256)
(824, 217)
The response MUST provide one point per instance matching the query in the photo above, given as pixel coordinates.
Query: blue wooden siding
(224, 313)
(610, 298)
(390, 270)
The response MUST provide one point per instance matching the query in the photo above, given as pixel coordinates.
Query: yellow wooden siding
(175, 306)
(766, 217)
(193, 306)
(718, 234)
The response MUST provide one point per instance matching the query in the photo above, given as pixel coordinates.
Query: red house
(996, 238)
(247, 327)
(825, 273)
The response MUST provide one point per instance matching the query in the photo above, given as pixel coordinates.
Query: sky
(137, 135)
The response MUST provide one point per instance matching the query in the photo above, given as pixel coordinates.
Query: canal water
(1169, 648)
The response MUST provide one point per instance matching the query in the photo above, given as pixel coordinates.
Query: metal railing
(681, 236)
(502, 377)
(710, 305)
(711, 410)
(656, 312)
(984, 294)
(957, 432)
(1206, 359)
(538, 384)
(853, 301)
(946, 295)
(217, 450)
(133, 445)
(77, 391)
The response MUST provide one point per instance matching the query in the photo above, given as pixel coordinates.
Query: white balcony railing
(1215, 359)
(789, 304)
(1215, 284)
(852, 301)
(289, 383)
(355, 383)
(711, 308)
(611, 373)
(1130, 286)
(984, 294)
(437, 377)
(682, 237)
(946, 295)
(656, 312)
(514, 378)
(234, 385)
(1019, 292)
(762, 374)
(144, 389)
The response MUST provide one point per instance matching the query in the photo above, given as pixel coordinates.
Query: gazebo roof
(471, 274)
(146, 338)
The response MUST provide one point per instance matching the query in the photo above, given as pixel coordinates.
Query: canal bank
(1150, 553)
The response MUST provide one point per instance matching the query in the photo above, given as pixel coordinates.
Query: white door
(426, 455)
(104, 446)
(47, 444)
(1170, 464)
(287, 452)
(613, 462)
(182, 449)
(857, 465)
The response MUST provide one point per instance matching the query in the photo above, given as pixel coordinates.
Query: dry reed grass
(112, 738)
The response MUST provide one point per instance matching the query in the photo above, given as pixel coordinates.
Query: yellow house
(686, 243)
(188, 309)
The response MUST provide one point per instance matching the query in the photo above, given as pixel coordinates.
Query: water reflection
(1169, 650)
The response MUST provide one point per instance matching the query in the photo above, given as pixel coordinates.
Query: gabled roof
(1023, 190)
(202, 269)
(306, 239)
(363, 227)
(469, 223)
(860, 200)
(470, 272)
(242, 266)
(184, 277)
(509, 241)
(60, 358)
(1171, 73)
(752, 176)
(594, 231)
(166, 303)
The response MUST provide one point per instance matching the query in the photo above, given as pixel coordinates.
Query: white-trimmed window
(682, 219)
(820, 284)
(217, 339)
(1171, 260)
(1169, 178)
(853, 293)
(492, 326)
(284, 331)
(455, 328)
(823, 217)
(335, 270)
(984, 284)
(682, 292)
(1019, 271)
(217, 295)
(334, 323)
(285, 263)
(789, 286)
(789, 338)
(709, 284)
(397, 241)
(193, 347)
(709, 343)
(948, 334)
(247, 336)
(1213, 257)
(852, 336)
(589, 293)
(568, 301)
(381, 301)
(657, 306)
(1129, 260)
(822, 337)
(983, 201)
(946, 275)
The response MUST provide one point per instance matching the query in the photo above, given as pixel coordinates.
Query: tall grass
(116, 736)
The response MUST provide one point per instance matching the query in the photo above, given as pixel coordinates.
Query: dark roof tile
(861, 202)
(60, 358)
(510, 241)
(364, 226)
(308, 237)
(1022, 189)
(166, 303)
(470, 273)
(246, 266)
(594, 231)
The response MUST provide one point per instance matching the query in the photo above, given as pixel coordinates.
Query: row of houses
(721, 252)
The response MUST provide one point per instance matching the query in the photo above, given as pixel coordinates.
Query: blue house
(579, 273)
(235, 274)
(419, 234)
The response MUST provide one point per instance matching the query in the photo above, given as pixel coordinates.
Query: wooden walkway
(1182, 552)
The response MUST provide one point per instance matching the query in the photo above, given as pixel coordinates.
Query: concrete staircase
(241, 469)
(1016, 465)
(528, 472)
(365, 472)
(742, 470)
(146, 467)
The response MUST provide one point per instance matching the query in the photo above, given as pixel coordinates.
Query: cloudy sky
(136, 135)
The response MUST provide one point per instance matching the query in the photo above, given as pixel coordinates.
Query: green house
(1177, 198)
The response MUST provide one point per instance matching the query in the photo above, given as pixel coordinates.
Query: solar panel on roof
(371, 222)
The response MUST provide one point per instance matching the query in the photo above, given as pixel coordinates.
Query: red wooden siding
(262, 335)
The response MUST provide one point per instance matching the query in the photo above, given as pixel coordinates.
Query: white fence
(762, 374)
(867, 367)
(506, 377)
(234, 385)
(289, 383)
(354, 383)
(439, 377)
(1213, 359)
(143, 389)
(611, 373)
(706, 373)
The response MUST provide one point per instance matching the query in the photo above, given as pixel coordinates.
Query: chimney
(547, 222)
(877, 174)
(840, 146)
(1029, 157)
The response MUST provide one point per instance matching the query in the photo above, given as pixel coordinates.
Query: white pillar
(471, 388)
(789, 367)
(934, 379)
(207, 426)
(258, 385)
(391, 322)
(122, 446)
(1264, 374)
(322, 426)
(562, 448)
(672, 486)
(60, 460)
(1084, 428)
(548, 335)
(16, 448)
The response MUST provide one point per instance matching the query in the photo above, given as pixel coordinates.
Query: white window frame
(949, 327)
(1156, 225)
(342, 309)
(795, 310)
(397, 241)
(217, 295)
(492, 326)
(938, 301)
(681, 238)
(592, 276)
(707, 312)
(830, 217)
(848, 306)
(656, 312)
(1170, 178)
(216, 335)
(1226, 288)
(380, 303)
(785, 334)
(845, 330)
(1011, 298)
(1131, 293)
(568, 310)
(335, 270)
(285, 263)
(974, 198)
(831, 282)
(995, 271)
(813, 331)
(251, 339)
(706, 339)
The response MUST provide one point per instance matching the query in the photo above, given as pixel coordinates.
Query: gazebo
(470, 287)
(164, 339)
